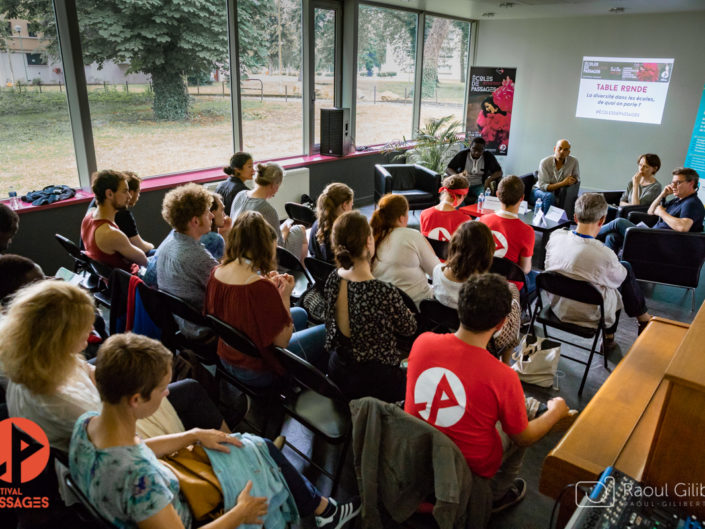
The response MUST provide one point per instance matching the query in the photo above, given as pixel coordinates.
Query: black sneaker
(341, 515)
(513, 496)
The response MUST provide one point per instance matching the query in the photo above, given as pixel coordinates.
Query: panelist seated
(578, 255)
(685, 213)
(643, 188)
(479, 166)
(558, 179)
(440, 222)
(103, 239)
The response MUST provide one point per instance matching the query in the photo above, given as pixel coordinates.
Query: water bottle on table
(14, 201)
(538, 206)
(480, 202)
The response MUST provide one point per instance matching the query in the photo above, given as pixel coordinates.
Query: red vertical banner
(490, 102)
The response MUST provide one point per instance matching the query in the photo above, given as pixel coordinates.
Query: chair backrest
(624, 211)
(438, 316)
(71, 248)
(97, 519)
(566, 287)
(403, 176)
(408, 301)
(182, 309)
(665, 256)
(308, 376)
(642, 216)
(300, 213)
(440, 248)
(508, 269)
(288, 261)
(612, 197)
(233, 337)
(319, 270)
(529, 180)
(100, 269)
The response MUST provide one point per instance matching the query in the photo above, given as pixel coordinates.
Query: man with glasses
(685, 213)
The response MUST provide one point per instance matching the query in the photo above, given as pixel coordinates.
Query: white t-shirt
(404, 259)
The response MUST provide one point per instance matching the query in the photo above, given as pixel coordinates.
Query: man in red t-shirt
(440, 222)
(456, 385)
(513, 239)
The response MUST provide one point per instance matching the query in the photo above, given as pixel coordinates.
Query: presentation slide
(623, 89)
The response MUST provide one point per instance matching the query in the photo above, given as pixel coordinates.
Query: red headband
(458, 193)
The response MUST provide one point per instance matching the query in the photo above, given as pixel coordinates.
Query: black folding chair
(103, 272)
(437, 317)
(317, 403)
(300, 214)
(439, 247)
(289, 263)
(88, 513)
(576, 290)
(513, 272)
(319, 270)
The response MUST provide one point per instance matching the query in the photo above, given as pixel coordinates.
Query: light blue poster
(695, 159)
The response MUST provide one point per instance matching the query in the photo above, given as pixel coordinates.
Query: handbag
(197, 481)
(536, 362)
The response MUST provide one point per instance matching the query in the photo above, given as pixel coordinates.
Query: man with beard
(102, 238)
(558, 180)
(479, 166)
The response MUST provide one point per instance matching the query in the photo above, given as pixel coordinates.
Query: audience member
(15, 272)
(403, 257)
(44, 332)
(514, 240)
(335, 200)
(214, 240)
(684, 213)
(470, 253)
(456, 385)
(269, 178)
(558, 180)
(124, 218)
(440, 222)
(241, 169)
(578, 255)
(102, 238)
(247, 293)
(9, 224)
(123, 479)
(363, 315)
(643, 188)
(479, 166)
(183, 264)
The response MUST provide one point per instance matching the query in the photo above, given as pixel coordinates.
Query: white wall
(548, 55)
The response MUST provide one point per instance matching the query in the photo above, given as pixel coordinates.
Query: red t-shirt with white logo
(441, 225)
(512, 238)
(463, 391)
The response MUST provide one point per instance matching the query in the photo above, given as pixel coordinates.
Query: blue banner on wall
(695, 159)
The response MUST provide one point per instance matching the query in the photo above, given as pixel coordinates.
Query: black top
(228, 189)
(126, 222)
(322, 252)
(457, 164)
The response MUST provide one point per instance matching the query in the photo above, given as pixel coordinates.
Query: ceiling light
(488, 14)
(507, 4)
(617, 10)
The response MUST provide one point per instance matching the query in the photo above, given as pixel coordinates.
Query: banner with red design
(489, 110)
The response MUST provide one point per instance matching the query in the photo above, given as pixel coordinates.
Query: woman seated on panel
(335, 200)
(269, 178)
(126, 483)
(362, 316)
(440, 222)
(470, 252)
(403, 257)
(44, 333)
(643, 188)
(246, 292)
(214, 240)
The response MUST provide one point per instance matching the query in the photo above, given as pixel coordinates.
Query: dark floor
(534, 512)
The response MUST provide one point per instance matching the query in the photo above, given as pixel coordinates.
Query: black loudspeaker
(335, 131)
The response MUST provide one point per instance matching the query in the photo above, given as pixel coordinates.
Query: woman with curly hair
(403, 257)
(335, 200)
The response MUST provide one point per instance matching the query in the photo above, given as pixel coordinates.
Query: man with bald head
(558, 179)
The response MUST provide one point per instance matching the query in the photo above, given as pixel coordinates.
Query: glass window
(324, 63)
(36, 146)
(270, 70)
(386, 55)
(159, 98)
(445, 62)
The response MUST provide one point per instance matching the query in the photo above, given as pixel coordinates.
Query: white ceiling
(546, 8)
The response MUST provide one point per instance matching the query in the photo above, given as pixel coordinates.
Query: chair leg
(589, 362)
(692, 299)
(340, 466)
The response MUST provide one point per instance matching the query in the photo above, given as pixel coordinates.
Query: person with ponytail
(363, 316)
(267, 182)
(440, 222)
(335, 200)
(403, 256)
(240, 170)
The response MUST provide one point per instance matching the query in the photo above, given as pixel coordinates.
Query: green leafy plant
(435, 144)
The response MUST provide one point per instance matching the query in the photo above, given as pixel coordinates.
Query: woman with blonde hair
(403, 257)
(246, 292)
(269, 178)
(363, 317)
(44, 332)
(335, 200)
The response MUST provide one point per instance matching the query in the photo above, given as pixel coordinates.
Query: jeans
(512, 458)
(548, 199)
(564, 198)
(531, 281)
(305, 494)
(632, 297)
(193, 405)
(613, 233)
